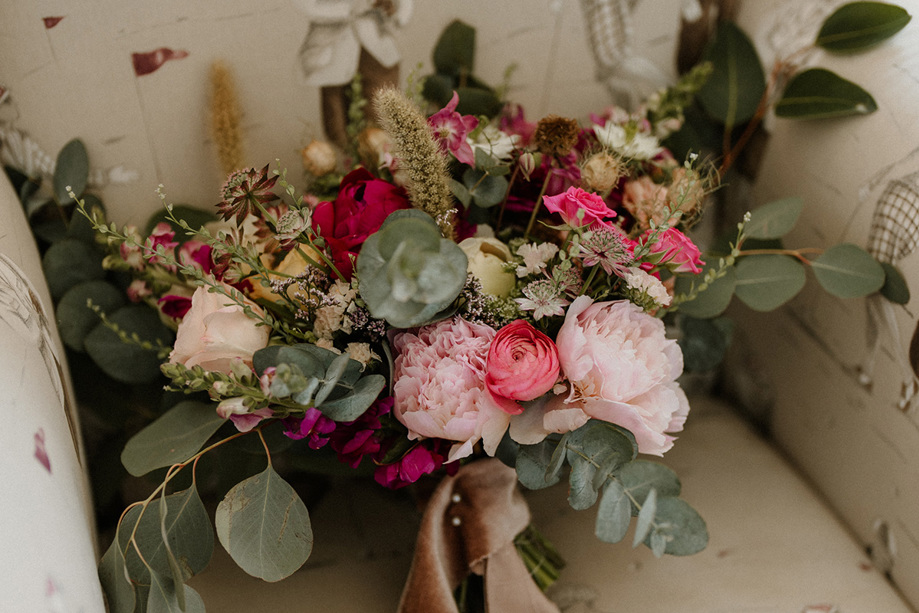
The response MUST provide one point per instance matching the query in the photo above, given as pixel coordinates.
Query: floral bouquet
(482, 300)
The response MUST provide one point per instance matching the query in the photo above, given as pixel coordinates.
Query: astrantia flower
(543, 298)
(609, 247)
(245, 191)
(451, 129)
(291, 225)
(535, 257)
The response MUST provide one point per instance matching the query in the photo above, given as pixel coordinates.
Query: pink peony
(439, 386)
(522, 365)
(680, 254)
(216, 331)
(575, 200)
(451, 129)
(622, 369)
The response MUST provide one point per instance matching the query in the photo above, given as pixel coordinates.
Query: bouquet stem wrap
(469, 526)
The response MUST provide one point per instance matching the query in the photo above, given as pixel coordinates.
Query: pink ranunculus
(439, 386)
(451, 129)
(363, 204)
(622, 369)
(522, 365)
(680, 254)
(216, 331)
(569, 203)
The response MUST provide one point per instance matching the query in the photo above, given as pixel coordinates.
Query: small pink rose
(215, 331)
(680, 254)
(522, 365)
(579, 208)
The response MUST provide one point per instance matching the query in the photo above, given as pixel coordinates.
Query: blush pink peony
(622, 369)
(216, 331)
(439, 386)
(522, 365)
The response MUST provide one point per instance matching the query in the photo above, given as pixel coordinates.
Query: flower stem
(538, 204)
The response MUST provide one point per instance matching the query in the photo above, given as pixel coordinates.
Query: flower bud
(601, 172)
(319, 158)
(527, 163)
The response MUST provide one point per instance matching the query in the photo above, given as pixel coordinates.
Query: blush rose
(215, 332)
(569, 203)
(522, 365)
(677, 251)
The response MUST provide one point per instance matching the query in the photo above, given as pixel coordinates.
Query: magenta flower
(423, 459)
(174, 306)
(354, 440)
(161, 236)
(198, 254)
(451, 130)
(313, 425)
(579, 208)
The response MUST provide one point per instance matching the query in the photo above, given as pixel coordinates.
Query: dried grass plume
(419, 155)
(225, 118)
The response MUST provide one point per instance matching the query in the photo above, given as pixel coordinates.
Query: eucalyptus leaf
(80, 226)
(129, 362)
(775, 219)
(859, 25)
(766, 282)
(713, 300)
(70, 261)
(438, 88)
(195, 217)
(175, 437)
(532, 465)
(895, 288)
(460, 192)
(310, 363)
(71, 170)
(704, 342)
(582, 493)
(685, 529)
(74, 316)
(353, 405)
(178, 582)
(613, 514)
(818, 93)
(733, 91)
(477, 101)
(332, 376)
(645, 517)
(638, 477)
(848, 271)
(113, 575)
(163, 597)
(486, 190)
(265, 527)
(188, 531)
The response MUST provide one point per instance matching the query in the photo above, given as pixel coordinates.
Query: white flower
(496, 143)
(486, 258)
(535, 257)
(640, 281)
(640, 146)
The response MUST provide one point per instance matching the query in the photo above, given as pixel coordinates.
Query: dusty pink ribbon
(469, 526)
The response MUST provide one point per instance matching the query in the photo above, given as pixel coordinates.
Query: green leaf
(895, 287)
(613, 514)
(454, 53)
(460, 192)
(683, 527)
(712, 301)
(766, 282)
(486, 190)
(80, 227)
(194, 216)
(163, 597)
(173, 438)
(310, 363)
(438, 89)
(704, 342)
(775, 219)
(70, 261)
(353, 405)
(265, 527)
(71, 170)
(638, 477)
(187, 528)
(113, 574)
(848, 271)
(582, 493)
(129, 362)
(818, 93)
(733, 91)
(333, 375)
(859, 25)
(477, 101)
(645, 517)
(74, 317)
(533, 463)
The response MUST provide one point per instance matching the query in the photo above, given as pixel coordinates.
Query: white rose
(487, 257)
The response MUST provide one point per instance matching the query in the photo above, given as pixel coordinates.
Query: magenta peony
(622, 369)
(216, 331)
(439, 386)
(522, 365)
(569, 204)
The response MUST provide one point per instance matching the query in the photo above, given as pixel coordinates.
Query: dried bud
(556, 135)
(319, 158)
(601, 172)
(373, 144)
(527, 163)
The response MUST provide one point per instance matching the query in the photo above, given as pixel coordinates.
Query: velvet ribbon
(469, 526)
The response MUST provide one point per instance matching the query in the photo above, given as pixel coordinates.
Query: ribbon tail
(509, 588)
